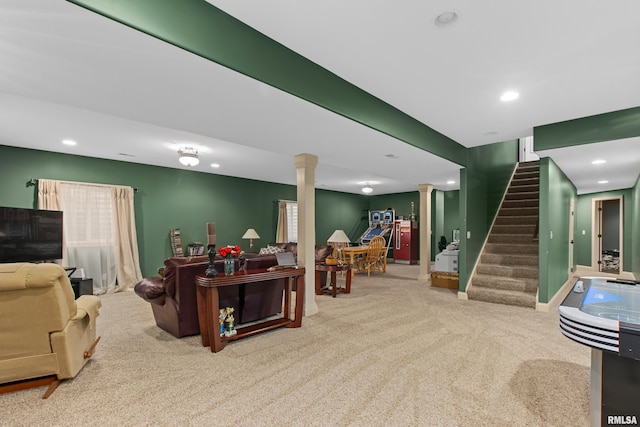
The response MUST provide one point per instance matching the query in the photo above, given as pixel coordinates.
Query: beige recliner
(45, 335)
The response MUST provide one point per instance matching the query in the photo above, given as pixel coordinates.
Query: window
(292, 221)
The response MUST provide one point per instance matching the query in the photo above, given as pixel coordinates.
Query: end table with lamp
(340, 239)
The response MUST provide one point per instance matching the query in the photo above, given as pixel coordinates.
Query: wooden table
(353, 251)
(333, 269)
(209, 306)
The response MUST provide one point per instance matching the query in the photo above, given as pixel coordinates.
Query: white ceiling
(66, 72)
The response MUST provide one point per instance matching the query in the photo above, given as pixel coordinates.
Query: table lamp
(340, 238)
(250, 234)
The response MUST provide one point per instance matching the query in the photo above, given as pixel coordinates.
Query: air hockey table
(604, 314)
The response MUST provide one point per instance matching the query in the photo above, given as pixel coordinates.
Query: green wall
(177, 198)
(556, 192)
(584, 218)
(586, 130)
(451, 213)
(482, 186)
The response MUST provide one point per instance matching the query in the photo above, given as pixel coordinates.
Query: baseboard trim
(557, 298)
(463, 295)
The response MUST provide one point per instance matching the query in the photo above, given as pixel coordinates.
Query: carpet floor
(393, 352)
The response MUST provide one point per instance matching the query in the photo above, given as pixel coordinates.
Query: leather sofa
(174, 303)
(44, 331)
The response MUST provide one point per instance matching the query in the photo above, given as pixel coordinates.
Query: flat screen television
(29, 235)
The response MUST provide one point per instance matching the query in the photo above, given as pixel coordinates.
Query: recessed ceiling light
(451, 182)
(69, 142)
(445, 19)
(604, 181)
(215, 165)
(490, 133)
(598, 162)
(509, 96)
(391, 156)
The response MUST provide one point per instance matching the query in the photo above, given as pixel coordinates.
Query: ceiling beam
(203, 29)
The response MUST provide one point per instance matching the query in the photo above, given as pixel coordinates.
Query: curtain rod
(288, 201)
(34, 181)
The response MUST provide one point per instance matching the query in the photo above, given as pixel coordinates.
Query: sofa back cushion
(171, 266)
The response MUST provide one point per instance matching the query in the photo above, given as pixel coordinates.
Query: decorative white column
(306, 166)
(425, 232)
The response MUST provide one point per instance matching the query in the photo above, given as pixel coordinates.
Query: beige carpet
(394, 352)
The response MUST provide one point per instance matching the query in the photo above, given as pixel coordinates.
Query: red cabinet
(405, 249)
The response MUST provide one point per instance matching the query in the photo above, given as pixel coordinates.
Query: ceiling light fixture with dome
(188, 156)
(367, 189)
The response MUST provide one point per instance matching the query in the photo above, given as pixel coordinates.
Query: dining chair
(375, 258)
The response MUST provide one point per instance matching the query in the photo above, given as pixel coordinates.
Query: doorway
(607, 235)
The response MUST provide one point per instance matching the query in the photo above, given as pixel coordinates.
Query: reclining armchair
(45, 335)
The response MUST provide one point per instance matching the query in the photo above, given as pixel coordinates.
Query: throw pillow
(270, 250)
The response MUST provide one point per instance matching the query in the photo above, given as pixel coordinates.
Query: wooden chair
(376, 257)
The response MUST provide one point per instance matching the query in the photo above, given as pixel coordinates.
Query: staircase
(508, 269)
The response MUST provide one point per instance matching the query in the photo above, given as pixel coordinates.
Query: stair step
(490, 281)
(525, 179)
(510, 259)
(517, 220)
(524, 195)
(497, 296)
(508, 272)
(513, 239)
(518, 211)
(512, 249)
(522, 229)
(523, 188)
(523, 203)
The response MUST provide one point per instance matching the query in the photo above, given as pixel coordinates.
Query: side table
(333, 269)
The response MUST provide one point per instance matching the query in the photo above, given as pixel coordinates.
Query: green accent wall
(451, 213)
(179, 198)
(556, 192)
(599, 128)
(584, 219)
(199, 27)
(482, 186)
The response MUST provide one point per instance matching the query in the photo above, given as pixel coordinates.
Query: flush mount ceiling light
(188, 156)
(509, 96)
(445, 19)
(367, 189)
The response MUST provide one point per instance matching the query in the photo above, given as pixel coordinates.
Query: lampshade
(188, 156)
(339, 236)
(367, 188)
(250, 234)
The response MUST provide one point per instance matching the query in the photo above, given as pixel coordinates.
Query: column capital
(306, 161)
(425, 188)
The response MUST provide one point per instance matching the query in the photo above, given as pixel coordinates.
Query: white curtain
(99, 231)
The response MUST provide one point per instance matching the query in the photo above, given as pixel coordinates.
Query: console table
(208, 303)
